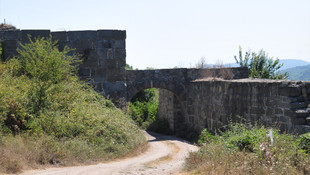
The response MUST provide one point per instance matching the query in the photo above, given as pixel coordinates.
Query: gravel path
(166, 155)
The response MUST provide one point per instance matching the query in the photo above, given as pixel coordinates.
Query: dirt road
(166, 155)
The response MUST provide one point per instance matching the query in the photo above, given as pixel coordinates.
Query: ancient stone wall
(194, 98)
(212, 104)
(103, 53)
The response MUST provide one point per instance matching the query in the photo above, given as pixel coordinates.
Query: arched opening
(171, 108)
(169, 117)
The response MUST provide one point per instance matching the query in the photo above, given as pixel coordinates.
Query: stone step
(302, 113)
(299, 105)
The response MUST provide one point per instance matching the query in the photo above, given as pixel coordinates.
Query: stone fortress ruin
(190, 99)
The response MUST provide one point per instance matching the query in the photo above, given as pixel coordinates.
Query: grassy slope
(75, 125)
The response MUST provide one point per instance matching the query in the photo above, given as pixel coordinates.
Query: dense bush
(248, 149)
(304, 142)
(44, 104)
(144, 107)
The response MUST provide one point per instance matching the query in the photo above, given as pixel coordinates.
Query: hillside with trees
(301, 73)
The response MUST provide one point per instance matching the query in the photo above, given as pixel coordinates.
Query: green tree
(45, 65)
(128, 67)
(260, 65)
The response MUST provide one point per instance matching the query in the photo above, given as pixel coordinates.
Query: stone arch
(172, 81)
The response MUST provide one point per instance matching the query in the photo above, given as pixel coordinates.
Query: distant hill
(287, 63)
(291, 63)
(297, 69)
(299, 73)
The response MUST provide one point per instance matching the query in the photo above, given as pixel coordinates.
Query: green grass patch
(247, 149)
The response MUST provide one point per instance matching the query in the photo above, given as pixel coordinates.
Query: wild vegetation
(49, 116)
(260, 65)
(248, 149)
(144, 107)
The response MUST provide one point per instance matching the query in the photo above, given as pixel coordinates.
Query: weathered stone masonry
(188, 100)
(103, 52)
(211, 104)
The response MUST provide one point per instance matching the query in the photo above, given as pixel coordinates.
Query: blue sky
(168, 33)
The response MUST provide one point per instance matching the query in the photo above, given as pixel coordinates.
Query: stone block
(259, 111)
(84, 72)
(34, 34)
(104, 44)
(119, 44)
(61, 45)
(308, 120)
(293, 99)
(98, 87)
(298, 105)
(119, 53)
(120, 62)
(87, 35)
(100, 74)
(81, 45)
(60, 36)
(300, 121)
(110, 64)
(111, 34)
(283, 119)
(302, 113)
(301, 99)
(10, 35)
(103, 53)
(114, 75)
(9, 45)
(290, 91)
(288, 112)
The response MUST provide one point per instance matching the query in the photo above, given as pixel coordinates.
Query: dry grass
(222, 161)
(247, 151)
(19, 153)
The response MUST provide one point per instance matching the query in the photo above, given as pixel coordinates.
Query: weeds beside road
(247, 149)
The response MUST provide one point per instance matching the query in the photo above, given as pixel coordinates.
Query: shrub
(246, 149)
(206, 137)
(49, 116)
(45, 65)
(304, 142)
(245, 137)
